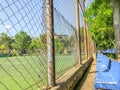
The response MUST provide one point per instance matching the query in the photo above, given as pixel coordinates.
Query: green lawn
(21, 72)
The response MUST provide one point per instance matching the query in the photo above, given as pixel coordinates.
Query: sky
(16, 15)
(29, 15)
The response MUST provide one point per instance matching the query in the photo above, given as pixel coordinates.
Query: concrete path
(87, 82)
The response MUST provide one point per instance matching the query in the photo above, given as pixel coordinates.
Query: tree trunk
(116, 7)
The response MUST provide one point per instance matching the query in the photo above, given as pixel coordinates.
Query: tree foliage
(34, 45)
(99, 16)
(59, 45)
(21, 42)
(43, 41)
(5, 43)
(38, 44)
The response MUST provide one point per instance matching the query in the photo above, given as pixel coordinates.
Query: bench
(109, 80)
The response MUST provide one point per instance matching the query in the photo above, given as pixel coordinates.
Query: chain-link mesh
(81, 15)
(23, 42)
(83, 25)
(23, 63)
(65, 35)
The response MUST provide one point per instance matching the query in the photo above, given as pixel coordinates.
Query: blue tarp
(103, 62)
(113, 50)
(103, 66)
(109, 80)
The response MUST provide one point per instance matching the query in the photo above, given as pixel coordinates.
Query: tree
(35, 45)
(66, 42)
(43, 38)
(59, 46)
(43, 41)
(39, 44)
(99, 16)
(116, 6)
(5, 43)
(22, 42)
(3, 49)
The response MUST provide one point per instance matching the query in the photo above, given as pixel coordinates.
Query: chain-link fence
(81, 15)
(65, 35)
(23, 42)
(87, 44)
(23, 63)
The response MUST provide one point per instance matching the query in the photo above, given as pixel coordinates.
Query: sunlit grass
(30, 72)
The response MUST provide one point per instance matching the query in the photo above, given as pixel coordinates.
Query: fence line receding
(23, 42)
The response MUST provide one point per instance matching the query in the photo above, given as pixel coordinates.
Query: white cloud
(7, 27)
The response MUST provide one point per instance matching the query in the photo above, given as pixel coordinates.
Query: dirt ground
(87, 82)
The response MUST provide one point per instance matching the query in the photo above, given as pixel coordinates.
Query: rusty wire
(81, 15)
(26, 70)
(23, 23)
(65, 36)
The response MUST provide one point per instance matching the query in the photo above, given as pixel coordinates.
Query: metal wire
(23, 42)
(65, 35)
(23, 63)
(81, 15)
(90, 42)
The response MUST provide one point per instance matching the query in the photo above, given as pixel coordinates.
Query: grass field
(29, 72)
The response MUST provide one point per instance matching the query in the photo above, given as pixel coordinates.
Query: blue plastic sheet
(109, 80)
(103, 63)
(113, 51)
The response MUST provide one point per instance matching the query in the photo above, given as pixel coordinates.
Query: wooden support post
(85, 32)
(50, 43)
(78, 32)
